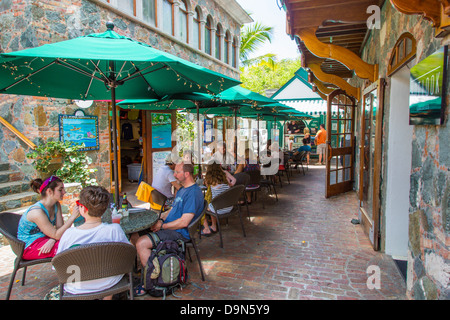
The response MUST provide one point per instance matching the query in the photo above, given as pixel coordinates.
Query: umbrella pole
(257, 122)
(199, 143)
(116, 158)
(235, 136)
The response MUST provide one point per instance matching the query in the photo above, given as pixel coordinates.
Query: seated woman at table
(216, 179)
(94, 201)
(42, 225)
(251, 164)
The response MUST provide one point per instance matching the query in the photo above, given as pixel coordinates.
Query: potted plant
(65, 160)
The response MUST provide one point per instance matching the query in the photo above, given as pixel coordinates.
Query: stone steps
(14, 191)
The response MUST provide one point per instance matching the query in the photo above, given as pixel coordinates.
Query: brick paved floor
(302, 247)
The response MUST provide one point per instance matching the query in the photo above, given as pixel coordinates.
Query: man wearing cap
(164, 179)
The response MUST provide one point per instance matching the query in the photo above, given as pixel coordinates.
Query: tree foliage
(262, 77)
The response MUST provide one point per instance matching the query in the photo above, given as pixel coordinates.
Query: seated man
(173, 224)
(164, 180)
(304, 147)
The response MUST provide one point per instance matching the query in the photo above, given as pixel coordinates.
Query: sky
(268, 13)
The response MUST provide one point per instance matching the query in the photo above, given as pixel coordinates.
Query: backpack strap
(154, 238)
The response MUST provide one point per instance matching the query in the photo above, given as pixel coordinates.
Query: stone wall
(31, 23)
(429, 240)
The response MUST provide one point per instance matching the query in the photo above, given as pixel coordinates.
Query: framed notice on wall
(79, 129)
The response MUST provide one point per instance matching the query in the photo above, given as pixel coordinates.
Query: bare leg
(144, 248)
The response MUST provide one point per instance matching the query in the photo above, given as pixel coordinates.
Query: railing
(17, 133)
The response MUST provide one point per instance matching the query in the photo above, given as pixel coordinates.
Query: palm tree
(252, 37)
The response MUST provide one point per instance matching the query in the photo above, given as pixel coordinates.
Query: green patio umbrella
(104, 66)
(238, 94)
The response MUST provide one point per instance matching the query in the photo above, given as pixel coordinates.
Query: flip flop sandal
(206, 234)
(139, 291)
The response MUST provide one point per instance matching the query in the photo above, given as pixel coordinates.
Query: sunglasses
(80, 204)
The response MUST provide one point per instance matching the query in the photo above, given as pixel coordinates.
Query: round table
(136, 221)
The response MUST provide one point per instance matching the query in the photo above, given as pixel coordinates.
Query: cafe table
(138, 219)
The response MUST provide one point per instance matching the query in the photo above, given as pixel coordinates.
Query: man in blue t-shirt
(304, 147)
(173, 223)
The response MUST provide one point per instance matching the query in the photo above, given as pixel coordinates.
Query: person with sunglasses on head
(93, 202)
(42, 225)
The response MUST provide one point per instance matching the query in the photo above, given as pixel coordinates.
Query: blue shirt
(304, 148)
(28, 231)
(187, 200)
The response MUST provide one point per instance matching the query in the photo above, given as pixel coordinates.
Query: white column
(202, 35)
(213, 42)
(176, 19)
(190, 23)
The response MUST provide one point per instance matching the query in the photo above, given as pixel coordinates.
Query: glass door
(370, 160)
(340, 142)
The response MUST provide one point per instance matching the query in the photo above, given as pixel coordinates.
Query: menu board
(159, 160)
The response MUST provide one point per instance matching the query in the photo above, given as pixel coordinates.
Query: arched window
(167, 23)
(218, 41)
(196, 29)
(183, 27)
(149, 11)
(208, 35)
(227, 47)
(403, 51)
(235, 52)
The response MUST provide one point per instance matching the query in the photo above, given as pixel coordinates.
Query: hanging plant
(64, 160)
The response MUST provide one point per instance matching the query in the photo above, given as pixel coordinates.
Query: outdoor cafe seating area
(264, 190)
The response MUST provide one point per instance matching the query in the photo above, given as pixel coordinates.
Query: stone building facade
(410, 177)
(205, 32)
(427, 225)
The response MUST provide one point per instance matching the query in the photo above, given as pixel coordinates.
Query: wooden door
(340, 143)
(370, 160)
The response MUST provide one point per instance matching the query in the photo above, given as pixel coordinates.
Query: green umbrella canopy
(170, 102)
(104, 66)
(86, 68)
(238, 94)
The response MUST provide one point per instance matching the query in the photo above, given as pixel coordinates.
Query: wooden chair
(194, 229)
(229, 198)
(96, 261)
(9, 224)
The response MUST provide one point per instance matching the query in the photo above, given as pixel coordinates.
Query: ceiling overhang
(330, 35)
(436, 11)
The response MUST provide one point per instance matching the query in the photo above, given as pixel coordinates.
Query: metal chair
(242, 178)
(228, 198)
(194, 229)
(298, 160)
(268, 182)
(254, 184)
(159, 198)
(9, 224)
(96, 261)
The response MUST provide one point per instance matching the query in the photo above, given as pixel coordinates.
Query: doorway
(398, 163)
